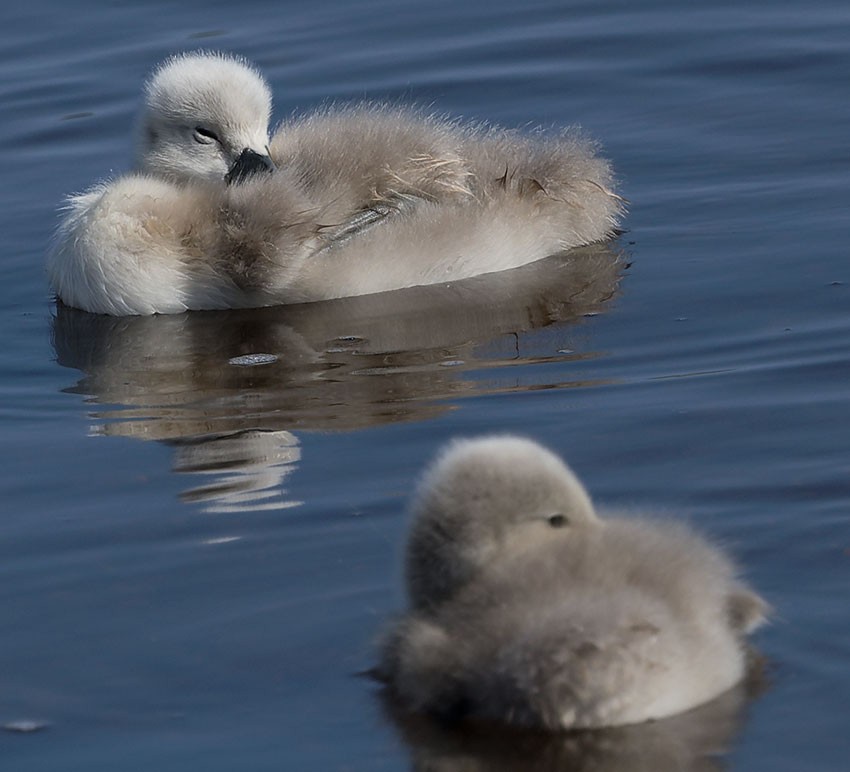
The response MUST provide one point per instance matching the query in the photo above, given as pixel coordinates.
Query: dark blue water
(196, 555)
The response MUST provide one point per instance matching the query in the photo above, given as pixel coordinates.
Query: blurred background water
(198, 545)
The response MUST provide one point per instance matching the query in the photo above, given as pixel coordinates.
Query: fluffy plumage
(528, 608)
(364, 199)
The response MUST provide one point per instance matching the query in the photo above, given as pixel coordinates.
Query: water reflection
(248, 469)
(228, 389)
(691, 742)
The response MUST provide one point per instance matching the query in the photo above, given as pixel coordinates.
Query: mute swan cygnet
(527, 608)
(342, 202)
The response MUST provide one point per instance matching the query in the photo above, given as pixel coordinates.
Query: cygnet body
(527, 608)
(341, 202)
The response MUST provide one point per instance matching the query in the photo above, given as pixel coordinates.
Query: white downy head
(205, 117)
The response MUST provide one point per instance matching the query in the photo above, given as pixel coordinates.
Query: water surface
(198, 547)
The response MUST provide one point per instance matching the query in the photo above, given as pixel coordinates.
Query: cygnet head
(484, 499)
(205, 117)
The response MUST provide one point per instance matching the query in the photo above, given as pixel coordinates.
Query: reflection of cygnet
(528, 609)
(338, 203)
(248, 469)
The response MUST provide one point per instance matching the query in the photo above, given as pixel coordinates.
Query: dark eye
(558, 521)
(204, 136)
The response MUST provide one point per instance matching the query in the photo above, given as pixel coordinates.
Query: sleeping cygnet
(340, 202)
(527, 608)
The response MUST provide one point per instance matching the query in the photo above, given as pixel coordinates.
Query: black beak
(247, 165)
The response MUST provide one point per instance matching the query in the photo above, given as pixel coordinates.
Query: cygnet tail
(571, 186)
(747, 610)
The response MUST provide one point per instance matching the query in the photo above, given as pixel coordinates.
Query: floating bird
(528, 608)
(341, 202)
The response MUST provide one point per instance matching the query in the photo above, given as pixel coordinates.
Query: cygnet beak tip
(248, 164)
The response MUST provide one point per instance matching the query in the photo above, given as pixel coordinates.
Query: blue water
(196, 555)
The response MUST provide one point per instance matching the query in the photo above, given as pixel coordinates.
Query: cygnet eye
(205, 136)
(558, 521)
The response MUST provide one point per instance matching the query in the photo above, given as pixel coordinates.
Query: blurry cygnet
(341, 202)
(527, 608)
